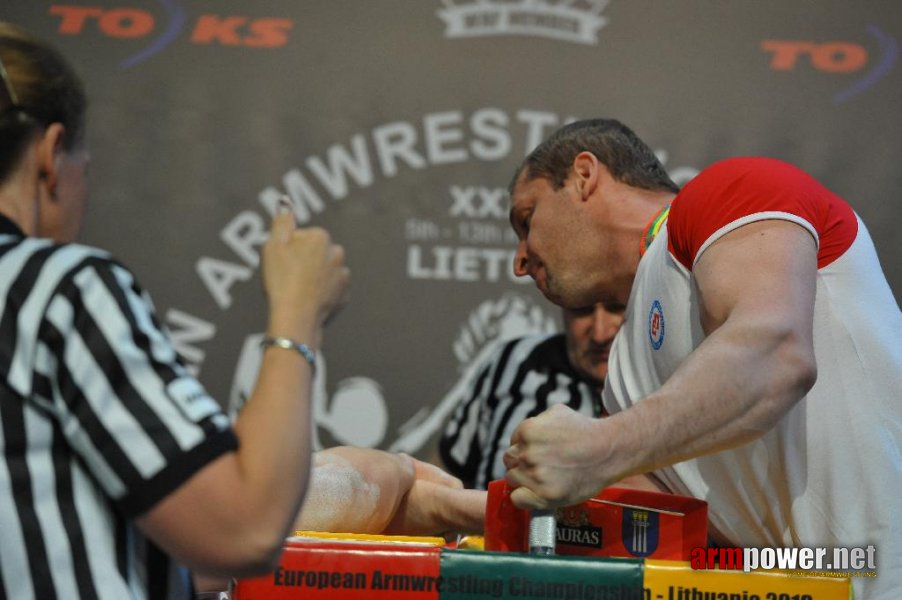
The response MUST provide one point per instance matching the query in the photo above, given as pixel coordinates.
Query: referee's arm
(232, 516)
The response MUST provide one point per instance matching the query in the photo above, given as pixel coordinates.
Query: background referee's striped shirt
(521, 379)
(99, 420)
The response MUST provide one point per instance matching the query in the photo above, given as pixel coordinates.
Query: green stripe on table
(473, 575)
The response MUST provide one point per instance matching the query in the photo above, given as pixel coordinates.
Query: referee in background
(118, 470)
(522, 378)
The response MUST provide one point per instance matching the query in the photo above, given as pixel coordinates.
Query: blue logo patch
(656, 325)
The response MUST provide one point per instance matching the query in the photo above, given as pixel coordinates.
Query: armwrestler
(759, 364)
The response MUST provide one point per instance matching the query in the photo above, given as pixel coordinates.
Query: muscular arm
(756, 292)
(756, 288)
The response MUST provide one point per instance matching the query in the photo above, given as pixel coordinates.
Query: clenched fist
(304, 275)
(556, 459)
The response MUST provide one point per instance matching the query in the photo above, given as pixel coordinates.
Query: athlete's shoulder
(735, 191)
(747, 179)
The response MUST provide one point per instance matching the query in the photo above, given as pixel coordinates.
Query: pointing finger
(283, 223)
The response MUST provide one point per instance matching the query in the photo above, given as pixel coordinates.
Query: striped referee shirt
(524, 377)
(99, 420)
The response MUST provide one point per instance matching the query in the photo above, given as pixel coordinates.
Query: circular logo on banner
(656, 325)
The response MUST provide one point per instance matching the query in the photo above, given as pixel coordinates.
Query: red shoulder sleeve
(737, 191)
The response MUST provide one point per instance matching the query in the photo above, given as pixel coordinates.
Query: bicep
(763, 272)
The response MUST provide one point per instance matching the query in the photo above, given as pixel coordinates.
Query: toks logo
(132, 23)
(840, 57)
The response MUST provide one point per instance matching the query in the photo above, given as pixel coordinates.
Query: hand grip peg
(542, 532)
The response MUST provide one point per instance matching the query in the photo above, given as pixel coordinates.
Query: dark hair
(627, 157)
(38, 88)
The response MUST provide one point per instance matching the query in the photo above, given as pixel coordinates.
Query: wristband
(289, 344)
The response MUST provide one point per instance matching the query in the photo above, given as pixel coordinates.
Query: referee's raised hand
(304, 275)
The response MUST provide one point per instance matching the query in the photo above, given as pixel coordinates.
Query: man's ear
(50, 148)
(586, 170)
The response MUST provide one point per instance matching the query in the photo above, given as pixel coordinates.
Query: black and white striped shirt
(521, 379)
(99, 420)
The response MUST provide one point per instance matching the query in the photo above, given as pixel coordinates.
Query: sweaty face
(590, 333)
(557, 246)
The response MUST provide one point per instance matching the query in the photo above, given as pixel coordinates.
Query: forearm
(463, 511)
(232, 516)
(431, 509)
(305, 280)
(732, 389)
(274, 431)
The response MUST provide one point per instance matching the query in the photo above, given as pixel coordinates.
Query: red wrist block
(618, 522)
